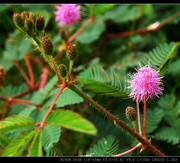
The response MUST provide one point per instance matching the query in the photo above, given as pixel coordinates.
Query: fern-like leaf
(100, 82)
(160, 55)
(168, 134)
(4, 140)
(50, 135)
(35, 148)
(104, 147)
(43, 94)
(153, 119)
(171, 112)
(15, 122)
(16, 147)
(71, 120)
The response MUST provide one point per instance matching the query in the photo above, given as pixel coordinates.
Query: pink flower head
(67, 14)
(146, 82)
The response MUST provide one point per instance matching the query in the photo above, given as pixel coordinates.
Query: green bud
(130, 113)
(62, 70)
(40, 21)
(29, 24)
(18, 20)
(47, 46)
(72, 51)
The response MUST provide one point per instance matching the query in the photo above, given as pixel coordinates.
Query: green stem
(114, 119)
(3, 90)
(134, 125)
(70, 67)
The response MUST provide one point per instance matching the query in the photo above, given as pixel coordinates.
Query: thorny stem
(51, 106)
(131, 150)
(145, 116)
(44, 77)
(139, 120)
(16, 63)
(29, 70)
(114, 119)
(80, 30)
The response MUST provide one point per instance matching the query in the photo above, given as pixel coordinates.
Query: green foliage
(171, 111)
(168, 134)
(50, 135)
(35, 148)
(105, 147)
(16, 147)
(153, 119)
(160, 55)
(16, 48)
(71, 120)
(43, 94)
(100, 82)
(16, 122)
(4, 140)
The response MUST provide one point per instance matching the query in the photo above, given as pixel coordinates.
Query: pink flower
(67, 14)
(146, 82)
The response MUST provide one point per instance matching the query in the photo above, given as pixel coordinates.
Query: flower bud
(62, 70)
(2, 76)
(47, 46)
(40, 21)
(130, 113)
(31, 16)
(71, 51)
(29, 24)
(18, 20)
(24, 14)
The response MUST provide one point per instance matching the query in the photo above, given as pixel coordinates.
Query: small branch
(139, 120)
(68, 33)
(51, 106)
(26, 92)
(131, 150)
(80, 30)
(145, 116)
(16, 63)
(44, 77)
(6, 109)
(151, 28)
(29, 70)
(115, 120)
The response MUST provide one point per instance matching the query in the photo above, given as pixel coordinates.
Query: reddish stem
(44, 77)
(145, 116)
(132, 149)
(68, 33)
(139, 120)
(80, 30)
(26, 92)
(16, 63)
(29, 70)
(6, 108)
(51, 106)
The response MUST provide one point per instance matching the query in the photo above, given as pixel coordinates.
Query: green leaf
(4, 140)
(16, 147)
(71, 120)
(50, 135)
(171, 111)
(16, 48)
(91, 33)
(160, 55)
(35, 148)
(15, 122)
(103, 83)
(101, 8)
(41, 96)
(168, 134)
(27, 111)
(153, 119)
(105, 147)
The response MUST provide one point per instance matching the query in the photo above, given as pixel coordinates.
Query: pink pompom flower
(145, 83)
(67, 14)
